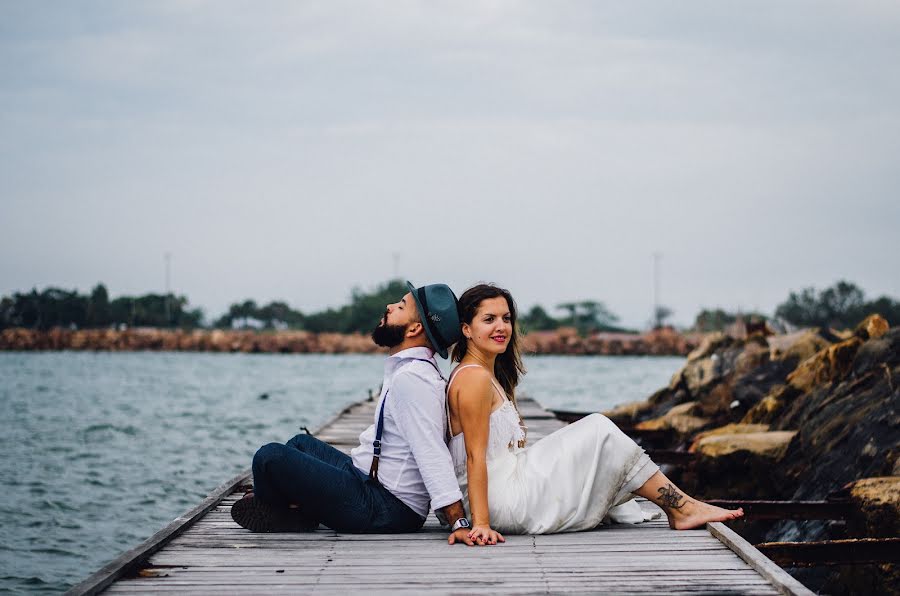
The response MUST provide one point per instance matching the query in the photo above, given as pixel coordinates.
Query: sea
(100, 450)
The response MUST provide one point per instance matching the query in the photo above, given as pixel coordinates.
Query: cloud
(288, 149)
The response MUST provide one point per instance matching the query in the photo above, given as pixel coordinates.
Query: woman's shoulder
(470, 375)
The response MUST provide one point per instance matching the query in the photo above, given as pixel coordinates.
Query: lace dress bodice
(506, 431)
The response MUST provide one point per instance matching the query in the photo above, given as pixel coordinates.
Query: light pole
(657, 257)
(168, 259)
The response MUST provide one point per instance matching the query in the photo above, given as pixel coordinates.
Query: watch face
(463, 523)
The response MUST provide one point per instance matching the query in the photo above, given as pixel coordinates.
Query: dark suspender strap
(379, 427)
(434, 330)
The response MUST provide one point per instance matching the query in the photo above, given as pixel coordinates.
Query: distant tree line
(361, 315)
(587, 316)
(55, 307)
(842, 305)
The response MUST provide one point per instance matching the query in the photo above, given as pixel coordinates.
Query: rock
(875, 514)
(732, 429)
(798, 346)
(770, 406)
(876, 503)
(681, 419)
(627, 413)
(829, 364)
(872, 327)
(710, 344)
(768, 444)
(737, 462)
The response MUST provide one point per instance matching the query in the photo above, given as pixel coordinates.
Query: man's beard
(388, 336)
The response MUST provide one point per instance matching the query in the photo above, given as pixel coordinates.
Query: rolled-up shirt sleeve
(419, 410)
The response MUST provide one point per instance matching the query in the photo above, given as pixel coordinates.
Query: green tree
(596, 317)
(537, 319)
(98, 311)
(589, 316)
(572, 309)
(660, 314)
(841, 305)
(713, 320)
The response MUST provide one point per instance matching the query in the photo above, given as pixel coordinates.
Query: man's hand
(461, 535)
(476, 536)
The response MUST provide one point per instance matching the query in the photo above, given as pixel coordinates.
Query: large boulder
(770, 445)
(682, 419)
(628, 413)
(876, 506)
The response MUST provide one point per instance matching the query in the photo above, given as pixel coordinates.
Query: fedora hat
(438, 309)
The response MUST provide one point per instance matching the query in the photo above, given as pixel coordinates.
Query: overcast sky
(288, 150)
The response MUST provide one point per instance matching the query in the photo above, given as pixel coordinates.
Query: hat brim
(422, 316)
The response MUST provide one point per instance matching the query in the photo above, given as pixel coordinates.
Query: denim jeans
(328, 488)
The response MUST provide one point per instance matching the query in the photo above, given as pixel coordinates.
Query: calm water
(100, 450)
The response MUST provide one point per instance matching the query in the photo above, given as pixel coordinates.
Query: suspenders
(379, 428)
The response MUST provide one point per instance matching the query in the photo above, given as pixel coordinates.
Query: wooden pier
(205, 552)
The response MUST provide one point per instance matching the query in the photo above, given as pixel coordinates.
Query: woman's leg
(684, 512)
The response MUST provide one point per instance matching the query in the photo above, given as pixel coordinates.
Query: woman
(566, 482)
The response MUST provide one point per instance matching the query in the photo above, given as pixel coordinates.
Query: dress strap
(447, 395)
(496, 386)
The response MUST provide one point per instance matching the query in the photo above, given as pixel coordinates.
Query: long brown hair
(508, 365)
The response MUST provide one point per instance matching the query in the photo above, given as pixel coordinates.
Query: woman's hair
(508, 365)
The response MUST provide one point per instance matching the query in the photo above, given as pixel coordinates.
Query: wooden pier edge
(130, 559)
(780, 579)
(106, 575)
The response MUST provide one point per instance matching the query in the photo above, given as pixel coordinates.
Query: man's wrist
(451, 513)
(460, 524)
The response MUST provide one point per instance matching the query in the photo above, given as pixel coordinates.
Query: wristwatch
(460, 523)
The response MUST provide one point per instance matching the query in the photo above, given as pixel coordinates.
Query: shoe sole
(257, 517)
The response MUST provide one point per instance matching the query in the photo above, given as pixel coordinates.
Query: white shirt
(415, 463)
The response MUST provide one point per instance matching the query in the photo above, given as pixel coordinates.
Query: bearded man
(401, 468)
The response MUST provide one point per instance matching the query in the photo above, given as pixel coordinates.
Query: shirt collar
(393, 362)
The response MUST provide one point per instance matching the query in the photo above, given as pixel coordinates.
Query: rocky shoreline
(665, 341)
(809, 416)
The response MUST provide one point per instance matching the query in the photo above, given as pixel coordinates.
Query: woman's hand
(485, 536)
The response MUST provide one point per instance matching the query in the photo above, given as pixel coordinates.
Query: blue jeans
(328, 488)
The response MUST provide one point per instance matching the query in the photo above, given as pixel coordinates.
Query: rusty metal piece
(857, 551)
(788, 509)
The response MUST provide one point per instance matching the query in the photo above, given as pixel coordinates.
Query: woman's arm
(474, 394)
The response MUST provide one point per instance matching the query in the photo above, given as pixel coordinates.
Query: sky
(295, 150)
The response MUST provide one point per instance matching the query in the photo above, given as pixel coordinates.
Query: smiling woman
(570, 480)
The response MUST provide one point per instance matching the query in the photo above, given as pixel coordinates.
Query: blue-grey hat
(438, 309)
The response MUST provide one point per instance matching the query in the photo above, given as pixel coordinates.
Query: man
(401, 467)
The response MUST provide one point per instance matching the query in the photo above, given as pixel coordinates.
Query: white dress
(570, 480)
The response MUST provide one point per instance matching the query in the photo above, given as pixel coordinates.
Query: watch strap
(460, 523)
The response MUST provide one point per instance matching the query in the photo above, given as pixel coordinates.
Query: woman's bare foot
(684, 512)
(695, 514)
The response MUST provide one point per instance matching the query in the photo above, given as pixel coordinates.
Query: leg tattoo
(670, 498)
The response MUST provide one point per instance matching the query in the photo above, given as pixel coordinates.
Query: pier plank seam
(208, 553)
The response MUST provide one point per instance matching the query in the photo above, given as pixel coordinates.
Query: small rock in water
(263, 396)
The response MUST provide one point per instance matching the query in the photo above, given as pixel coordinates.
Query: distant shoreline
(563, 341)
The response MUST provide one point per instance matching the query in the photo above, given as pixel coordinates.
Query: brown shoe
(251, 513)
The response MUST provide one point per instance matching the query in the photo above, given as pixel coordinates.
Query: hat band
(434, 331)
